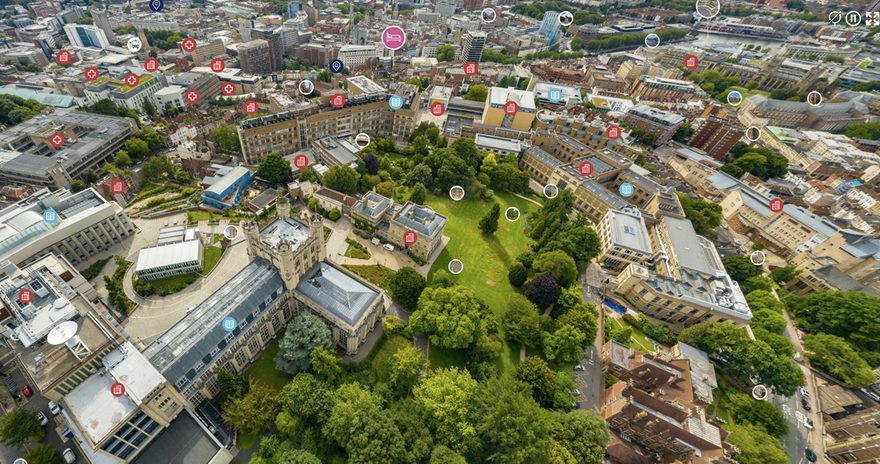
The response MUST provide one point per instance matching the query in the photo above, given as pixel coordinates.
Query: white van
(389, 247)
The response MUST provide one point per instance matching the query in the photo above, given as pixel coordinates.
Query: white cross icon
(56, 140)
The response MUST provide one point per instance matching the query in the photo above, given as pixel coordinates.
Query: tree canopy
(453, 317)
(705, 216)
(835, 356)
(18, 426)
(273, 168)
(304, 333)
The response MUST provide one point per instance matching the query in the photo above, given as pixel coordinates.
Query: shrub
(517, 275)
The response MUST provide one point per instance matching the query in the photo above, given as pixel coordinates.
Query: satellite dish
(59, 303)
(62, 332)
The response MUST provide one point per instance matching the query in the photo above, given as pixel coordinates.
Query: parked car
(389, 247)
(808, 423)
(576, 392)
(69, 456)
(870, 394)
(54, 408)
(804, 392)
(579, 367)
(27, 391)
(810, 455)
(805, 404)
(42, 418)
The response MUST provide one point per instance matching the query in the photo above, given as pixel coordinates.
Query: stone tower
(282, 207)
(252, 235)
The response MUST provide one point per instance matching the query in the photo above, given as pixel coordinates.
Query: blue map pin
(336, 66)
(395, 102)
(229, 323)
(50, 216)
(626, 189)
(555, 95)
(157, 5)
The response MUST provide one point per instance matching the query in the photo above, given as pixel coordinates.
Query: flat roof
(498, 143)
(287, 230)
(363, 83)
(629, 230)
(184, 441)
(340, 149)
(227, 179)
(167, 255)
(688, 248)
(498, 96)
(338, 292)
(48, 99)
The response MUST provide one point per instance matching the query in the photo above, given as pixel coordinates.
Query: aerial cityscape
(439, 231)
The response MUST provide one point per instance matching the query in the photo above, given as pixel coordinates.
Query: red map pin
(409, 237)
(301, 161)
(437, 108)
(228, 89)
(25, 296)
(471, 68)
(188, 44)
(118, 186)
(511, 108)
(217, 65)
(586, 168)
(132, 79)
(117, 389)
(691, 62)
(776, 205)
(192, 96)
(338, 100)
(57, 139)
(251, 107)
(63, 57)
(612, 132)
(92, 73)
(151, 65)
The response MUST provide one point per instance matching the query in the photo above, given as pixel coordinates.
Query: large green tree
(406, 288)
(763, 413)
(854, 316)
(446, 396)
(756, 446)
(834, 355)
(453, 317)
(406, 366)
(360, 425)
(304, 333)
(584, 433)
(534, 372)
(326, 364)
(489, 223)
(558, 264)
(565, 345)
(226, 139)
(298, 456)
(18, 426)
(342, 178)
(274, 169)
(740, 268)
(231, 385)
(444, 455)
(44, 454)
(477, 92)
(521, 321)
(307, 398)
(255, 411)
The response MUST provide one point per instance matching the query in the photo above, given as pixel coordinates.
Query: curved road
(154, 316)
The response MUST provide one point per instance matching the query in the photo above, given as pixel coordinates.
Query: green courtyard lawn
(356, 250)
(638, 340)
(263, 369)
(210, 257)
(376, 274)
(486, 258)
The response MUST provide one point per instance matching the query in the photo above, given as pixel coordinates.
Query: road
(590, 381)
(36, 402)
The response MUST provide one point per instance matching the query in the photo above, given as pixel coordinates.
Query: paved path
(527, 198)
(590, 381)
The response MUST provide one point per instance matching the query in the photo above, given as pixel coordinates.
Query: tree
(326, 364)
(559, 265)
(584, 433)
(756, 446)
(298, 456)
(334, 214)
(307, 398)
(705, 216)
(371, 163)
(44, 454)
(489, 222)
(386, 189)
(406, 288)
(768, 320)
(226, 138)
(408, 416)
(834, 355)
(122, 159)
(534, 372)
(740, 268)
(342, 178)
(407, 364)
(854, 316)
(467, 150)
(446, 396)
(756, 283)
(274, 168)
(763, 413)
(784, 275)
(419, 193)
(583, 317)
(565, 345)
(477, 92)
(77, 185)
(453, 317)
(517, 274)
(304, 333)
(543, 290)
(18, 426)
(444, 455)
(445, 52)
(231, 385)
(137, 148)
(255, 411)
(522, 321)
(869, 131)
(511, 427)
(359, 425)
(149, 108)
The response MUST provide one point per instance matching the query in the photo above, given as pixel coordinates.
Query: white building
(170, 97)
(355, 55)
(86, 35)
(177, 251)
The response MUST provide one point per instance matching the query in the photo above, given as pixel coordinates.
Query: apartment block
(624, 239)
(659, 89)
(718, 134)
(661, 124)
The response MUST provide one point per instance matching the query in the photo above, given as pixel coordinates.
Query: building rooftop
(667, 118)
(341, 150)
(689, 249)
(287, 230)
(628, 230)
(372, 205)
(227, 180)
(185, 441)
(542, 90)
(363, 83)
(188, 348)
(48, 99)
(702, 371)
(498, 143)
(498, 96)
(96, 410)
(166, 255)
(421, 219)
(339, 292)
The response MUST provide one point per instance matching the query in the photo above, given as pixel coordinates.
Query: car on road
(54, 408)
(804, 392)
(575, 405)
(576, 392)
(69, 456)
(42, 418)
(579, 367)
(808, 423)
(805, 404)
(810, 455)
(389, 247)
(27, 391)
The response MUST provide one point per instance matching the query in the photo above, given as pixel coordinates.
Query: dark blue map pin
(336, 66)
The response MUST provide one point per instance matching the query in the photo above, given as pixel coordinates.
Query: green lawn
(327, 232)
(356, 250)
(486, 259)
(263, 368)
(746, 93)
(210, 257)
(376, 274)
(638, 340)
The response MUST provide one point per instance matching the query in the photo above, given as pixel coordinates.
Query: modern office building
(53, 360)
(550, 26)
(624, 239)
(472, 43)
(425, 222)
(276, 46)
(289, 131)
(661, 124)
(178, 250)
(28, 157)
(254, 57)
(170, 97)
(86, 35)
(110, 424)
(207, 50)
(354, 56)
(207, 84)
(102, 21)
(117, 91)
(494, 113)
(85, 225)
(227, 186)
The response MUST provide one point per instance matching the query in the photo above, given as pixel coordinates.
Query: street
(35, 403)
(590, 381)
